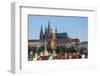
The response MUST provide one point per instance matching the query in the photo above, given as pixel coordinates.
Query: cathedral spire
(45, 29)
(49, 25)
(41, 33)
(46, 32)
(41, 29)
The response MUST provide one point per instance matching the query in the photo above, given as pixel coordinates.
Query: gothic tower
(46, 33)
(41, 33)
(51, 36)
(49, 30)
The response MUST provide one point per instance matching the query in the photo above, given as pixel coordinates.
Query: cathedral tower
(46, 33)
(49, 27)
(41, 33)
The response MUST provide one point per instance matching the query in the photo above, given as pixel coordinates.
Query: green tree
(34, 49)
(49, 49)
(41, 49)
(29, 50)
(57, 50)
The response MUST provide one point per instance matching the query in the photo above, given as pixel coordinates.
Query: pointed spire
(41, 29)
(46, 32)
(41, 33)
(45, 29)
(49, 25)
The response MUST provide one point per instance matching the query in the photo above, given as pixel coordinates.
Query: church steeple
(41, 33)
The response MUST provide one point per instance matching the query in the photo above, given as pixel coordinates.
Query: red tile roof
(43, 57)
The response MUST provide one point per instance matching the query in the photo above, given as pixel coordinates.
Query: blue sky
(75, 26)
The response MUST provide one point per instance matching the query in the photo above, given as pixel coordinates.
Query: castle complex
(51, 39)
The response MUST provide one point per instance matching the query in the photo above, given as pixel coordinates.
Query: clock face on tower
(57, 37)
